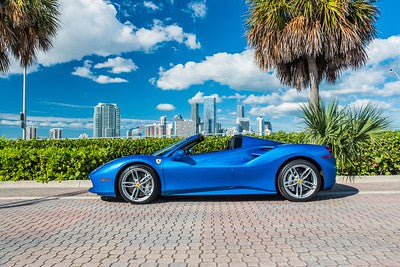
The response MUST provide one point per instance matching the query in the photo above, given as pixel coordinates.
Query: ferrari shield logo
(158, 161)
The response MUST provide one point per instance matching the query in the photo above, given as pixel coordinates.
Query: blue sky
(154, 57)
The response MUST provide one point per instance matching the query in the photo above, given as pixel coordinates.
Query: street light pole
(24, 106)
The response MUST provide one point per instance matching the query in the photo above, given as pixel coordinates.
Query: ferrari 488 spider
(247, 166)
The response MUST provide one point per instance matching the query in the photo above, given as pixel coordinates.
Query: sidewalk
(88, 184)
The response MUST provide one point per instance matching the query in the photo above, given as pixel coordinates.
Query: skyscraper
(242, 123)
(106, 120)
(210, 115)
(260, 125)
(55, 133)
(31, 132)
(196, 115)
(176, 118)
(163, 120)
(185, 128)
(240, 111)
(267, 128)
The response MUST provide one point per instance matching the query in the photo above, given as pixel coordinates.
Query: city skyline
(155, 62)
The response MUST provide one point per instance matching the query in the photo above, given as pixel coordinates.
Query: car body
(248, 166)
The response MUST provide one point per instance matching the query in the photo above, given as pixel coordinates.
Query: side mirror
(178, 154)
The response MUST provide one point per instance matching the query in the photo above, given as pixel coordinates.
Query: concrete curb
(51, 184)
(368, 179)
(88, 184)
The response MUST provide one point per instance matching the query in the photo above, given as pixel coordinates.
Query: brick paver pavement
(70, 227)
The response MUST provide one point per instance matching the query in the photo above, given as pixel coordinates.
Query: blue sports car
(247, 166)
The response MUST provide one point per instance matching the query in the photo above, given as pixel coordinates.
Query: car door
(202, 173)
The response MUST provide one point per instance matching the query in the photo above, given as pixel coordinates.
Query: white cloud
(199, 98)
(165, 107)
(235, 70)
(383, 49)
(191, 41)
(107, 79)
(236, 96)
(359, 103)
(118, 65)
(15, 68)
(290, 95)
(276, 111)
(150, 5)
(85, 72)
(91, 27)
(198, 9)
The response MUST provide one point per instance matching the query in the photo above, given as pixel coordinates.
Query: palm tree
(345, 130)
(26, 27)
(307, 41)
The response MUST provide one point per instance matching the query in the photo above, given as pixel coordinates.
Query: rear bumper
(329, 176)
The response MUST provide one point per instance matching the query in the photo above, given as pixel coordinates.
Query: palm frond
(335, 32)
(345, 130)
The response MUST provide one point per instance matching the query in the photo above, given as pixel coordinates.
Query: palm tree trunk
(24, 105)
(313, 72)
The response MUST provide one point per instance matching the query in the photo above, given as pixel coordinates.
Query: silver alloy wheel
(137, 184)
(300, 181)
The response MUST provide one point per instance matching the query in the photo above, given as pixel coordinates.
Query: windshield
(165, 150)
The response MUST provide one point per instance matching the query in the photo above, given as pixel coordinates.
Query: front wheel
(299, 180)
(138, 184)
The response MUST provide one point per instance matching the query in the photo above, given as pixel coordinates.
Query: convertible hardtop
(241, 141)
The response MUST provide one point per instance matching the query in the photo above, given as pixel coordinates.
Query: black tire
(291, 176)
(131, 188)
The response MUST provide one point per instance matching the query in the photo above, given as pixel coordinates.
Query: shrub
(45, 160)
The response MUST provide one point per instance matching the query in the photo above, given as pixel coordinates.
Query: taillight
(329, 149)
(330, 153)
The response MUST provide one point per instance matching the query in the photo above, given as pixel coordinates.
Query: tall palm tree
(307, 41)
(26, 27)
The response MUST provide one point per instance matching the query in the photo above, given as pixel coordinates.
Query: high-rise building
(106, 120)
(55, 133)
(240, 111)
(176, 118)
(134, 132)
(260, 125)
(243, 125)
(267, 127)
(196, 116)
(210, 115)
(155, 130)
(185, 128)
(218, 128)
(163, 120)
(169, 129)
(158, 130)
(31, 132)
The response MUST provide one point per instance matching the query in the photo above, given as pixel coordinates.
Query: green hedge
(45, 160)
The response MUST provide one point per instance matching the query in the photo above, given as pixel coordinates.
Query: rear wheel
(138, 184)
(299, 180)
